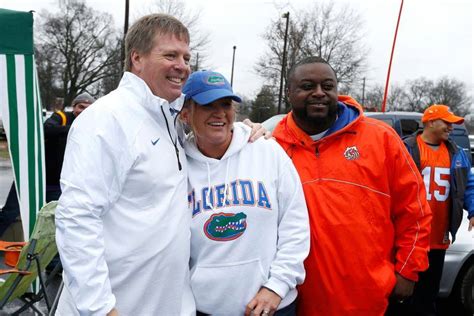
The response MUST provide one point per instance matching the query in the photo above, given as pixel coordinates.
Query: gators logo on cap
(215, 79)
(225, 226)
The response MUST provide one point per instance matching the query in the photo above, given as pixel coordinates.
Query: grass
(4, 150)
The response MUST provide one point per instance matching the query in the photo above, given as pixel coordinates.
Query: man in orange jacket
(370, 222)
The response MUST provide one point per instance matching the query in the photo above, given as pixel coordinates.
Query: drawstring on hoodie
(226, 184)
(208, 197)
(174, 141)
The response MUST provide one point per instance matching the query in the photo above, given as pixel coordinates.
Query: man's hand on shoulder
(471, 223)
(257, 130)
(113, 312)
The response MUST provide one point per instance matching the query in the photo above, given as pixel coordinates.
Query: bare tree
(80, 45)
(50, 85)
(269, 65)
(111, 81)
(451, 92)
(374, 97)
(199, 38)
(324, 30)
(336, 35)
(417, 94)
(396, 97)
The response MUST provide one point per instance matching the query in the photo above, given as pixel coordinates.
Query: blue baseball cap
(205, 87)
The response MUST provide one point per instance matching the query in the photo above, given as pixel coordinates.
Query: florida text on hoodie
(122, 220)
(257, 236)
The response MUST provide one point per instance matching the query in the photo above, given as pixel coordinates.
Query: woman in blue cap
(249, 230)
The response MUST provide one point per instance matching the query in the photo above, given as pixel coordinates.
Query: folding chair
(34, 257)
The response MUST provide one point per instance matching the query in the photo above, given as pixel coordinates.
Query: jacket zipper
(173, 141)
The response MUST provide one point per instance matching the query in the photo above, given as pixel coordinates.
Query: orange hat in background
(440, 112)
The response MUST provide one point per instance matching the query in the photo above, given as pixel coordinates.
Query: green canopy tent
(20, 107)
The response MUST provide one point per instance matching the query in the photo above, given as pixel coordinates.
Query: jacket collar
(411, 141)
(144, 95)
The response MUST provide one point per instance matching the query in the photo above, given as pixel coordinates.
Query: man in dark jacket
(56, 129)
(449, 183)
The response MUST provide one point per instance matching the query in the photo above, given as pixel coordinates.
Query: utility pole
(283, 64)
(363, 92)
(232, 71)
(196, 67)
(125, 30)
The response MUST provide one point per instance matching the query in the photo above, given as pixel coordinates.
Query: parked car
(272, 122)
(406, 123)
(457, 281)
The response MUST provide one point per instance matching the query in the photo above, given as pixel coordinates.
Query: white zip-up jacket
(122, 219)
(258, 236)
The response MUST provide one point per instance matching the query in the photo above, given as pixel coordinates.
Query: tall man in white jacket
(122, 221)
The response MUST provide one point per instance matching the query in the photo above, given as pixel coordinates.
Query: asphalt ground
(51, 291)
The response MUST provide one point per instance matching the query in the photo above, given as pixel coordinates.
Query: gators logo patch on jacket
(225, 226)
(351, 153)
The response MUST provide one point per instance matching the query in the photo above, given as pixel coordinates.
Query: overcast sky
(435, 37)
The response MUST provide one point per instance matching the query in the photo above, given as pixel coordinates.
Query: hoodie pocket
(225, 289)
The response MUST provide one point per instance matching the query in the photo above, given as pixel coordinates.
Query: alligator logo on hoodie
(225, 226)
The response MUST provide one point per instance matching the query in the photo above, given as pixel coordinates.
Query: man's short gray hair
(140, 37)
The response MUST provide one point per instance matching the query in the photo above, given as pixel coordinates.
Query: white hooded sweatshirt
(122, 219)
(258, 236)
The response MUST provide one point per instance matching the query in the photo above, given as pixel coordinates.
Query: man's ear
(136, 61)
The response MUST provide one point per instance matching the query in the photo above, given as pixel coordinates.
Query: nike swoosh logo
(154, 142)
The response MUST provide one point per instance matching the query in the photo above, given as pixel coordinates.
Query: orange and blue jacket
(367, 208)
(461, 181)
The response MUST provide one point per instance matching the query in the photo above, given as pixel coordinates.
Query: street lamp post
(232, 71)
(283, 64)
